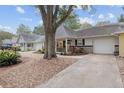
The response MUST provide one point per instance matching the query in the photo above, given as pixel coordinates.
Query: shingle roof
(64, 32)
(31, 37)
(10, 41)
(106, 30)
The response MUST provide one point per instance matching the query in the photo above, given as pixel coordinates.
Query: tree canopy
(39, 30)
(23, 28)
(101, 23)
(121, 18)
(86, 25)
(73, 21)
(5, 35)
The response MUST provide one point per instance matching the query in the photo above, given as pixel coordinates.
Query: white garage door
(104, 45)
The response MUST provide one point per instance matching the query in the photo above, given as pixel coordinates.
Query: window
(30, 45)
(79, 42)
(75, 42)
(69, 41)
(64, 44)
(83, 42)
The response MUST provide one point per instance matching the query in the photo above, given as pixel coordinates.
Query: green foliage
(121, 18)
(23, 28)
(16, 48)
(5, 35)
(73, 21)
(41, 51)
(39, 30)
(8, 58)
(29, 49)
(101, 23)
(86, 25)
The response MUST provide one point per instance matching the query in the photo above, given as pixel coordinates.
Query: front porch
(73, 46)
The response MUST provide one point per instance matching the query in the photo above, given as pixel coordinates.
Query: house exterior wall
(88, 45)
(38, 45)
(121, 45)
(22, 44)
(117, 44)
(88, 41)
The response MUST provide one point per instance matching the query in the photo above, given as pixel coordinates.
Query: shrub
(40, 51)
(29, 49)
(16, 49)
(8, 58)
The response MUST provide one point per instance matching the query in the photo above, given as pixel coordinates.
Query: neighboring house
(121, 43)
(30, 42)
(12, 41)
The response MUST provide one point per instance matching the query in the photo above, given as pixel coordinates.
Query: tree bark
(49, 44)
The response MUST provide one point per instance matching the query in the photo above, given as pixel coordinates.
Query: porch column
(23, 46)
(55, 45)
(66, 45)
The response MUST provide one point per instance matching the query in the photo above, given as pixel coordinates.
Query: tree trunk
(49, 44)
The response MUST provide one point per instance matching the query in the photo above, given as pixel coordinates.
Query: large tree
(39, 30)
(73, 21)
(121, 18)
(5, 35)
(101, 23)
(53, 16)
(23, 29)
(86, 25)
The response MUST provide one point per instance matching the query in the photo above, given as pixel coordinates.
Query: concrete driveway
(92, 71)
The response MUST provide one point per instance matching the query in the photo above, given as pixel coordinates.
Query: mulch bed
(24, 59)
(31, 73)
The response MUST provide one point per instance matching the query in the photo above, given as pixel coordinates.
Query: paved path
(91, 71)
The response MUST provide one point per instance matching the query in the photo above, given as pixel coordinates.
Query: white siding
(89, 41)
(38, 46)
(116, 40)
(22, 46)
(79, 42)
(73, 42)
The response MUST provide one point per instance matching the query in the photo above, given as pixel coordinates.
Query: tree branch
(43, 12)
(70, 9)
(50, 16)
(56, 12)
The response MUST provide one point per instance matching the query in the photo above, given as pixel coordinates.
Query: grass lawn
(32, 71)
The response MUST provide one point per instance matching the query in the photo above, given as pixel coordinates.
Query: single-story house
(93, 40)
(101, 39)
(12, 41)
(30, 42)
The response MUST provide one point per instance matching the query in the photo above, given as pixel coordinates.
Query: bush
(40, 51)
(16, 49)
(29, 49)
(8, 58)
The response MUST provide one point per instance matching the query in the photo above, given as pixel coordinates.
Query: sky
(13, 15)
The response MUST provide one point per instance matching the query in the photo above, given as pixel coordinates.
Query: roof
(64, 32)
(106, 30)
(27, 37)
(10, 41)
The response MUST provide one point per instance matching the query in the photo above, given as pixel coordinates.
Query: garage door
(104, 45)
